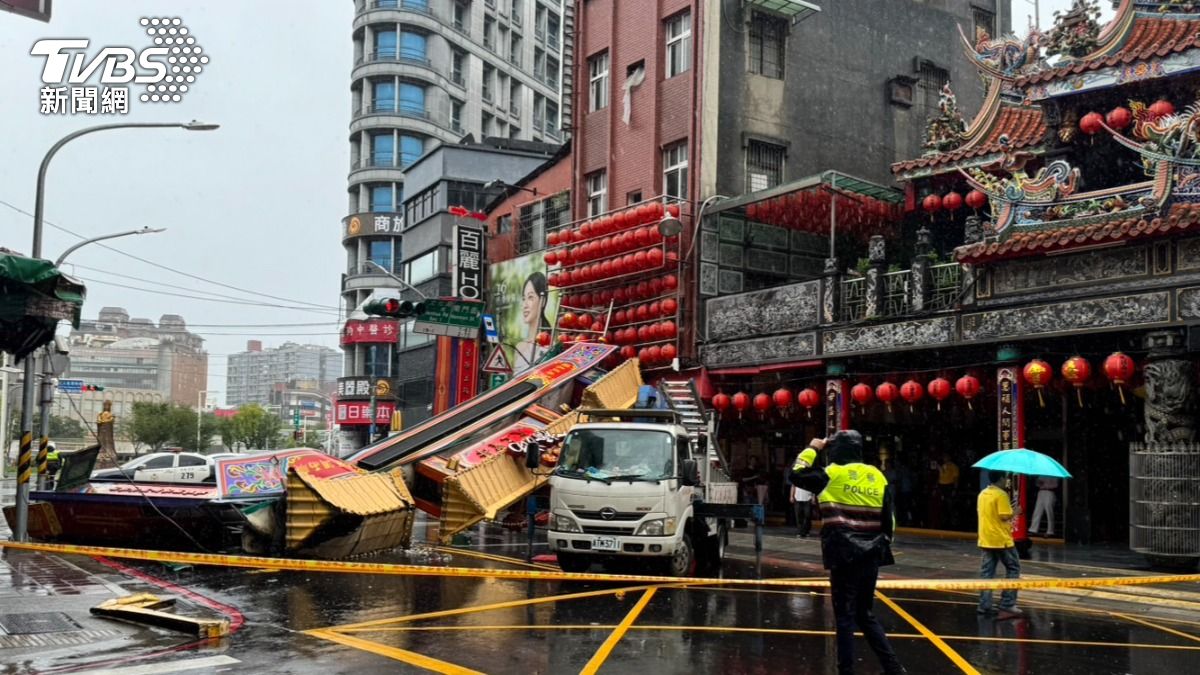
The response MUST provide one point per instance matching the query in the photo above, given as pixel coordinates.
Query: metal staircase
(683, 398)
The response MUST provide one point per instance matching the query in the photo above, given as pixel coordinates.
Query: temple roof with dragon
(1086, 137)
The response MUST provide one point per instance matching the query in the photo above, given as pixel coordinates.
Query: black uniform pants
(853, 590)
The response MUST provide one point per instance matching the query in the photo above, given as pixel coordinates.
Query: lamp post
(27, 391)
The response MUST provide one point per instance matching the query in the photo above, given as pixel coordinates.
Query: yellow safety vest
(853, 499)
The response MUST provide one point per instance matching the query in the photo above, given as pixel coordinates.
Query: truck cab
(627, 485)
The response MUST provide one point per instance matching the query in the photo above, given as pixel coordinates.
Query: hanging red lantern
(628, 352)
(1118, 118)
(762, 403)
(976, 199)
(782, 399)
(809, 398)
(741, 401)
(952, 201)
(1091, 123)
(720, 402)
(543, 339)
(967, 387)
(886, 393)
(567, 320)
(1038, 374)
(932, 203)
(669, 352)
(552, 239)
(669, 307)
(1161, 108)
(939, 390)
(862, 394)
(670, 282)
(1077, 370)
(912, 391)
(551, 258)
(1119, 369)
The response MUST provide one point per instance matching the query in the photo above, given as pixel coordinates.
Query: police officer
(857, 524)
(53, 464)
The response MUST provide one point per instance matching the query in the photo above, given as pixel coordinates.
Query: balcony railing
(854, 299)
(946, 283)
(896, 297)
(397, 56)
(393, 108)
(421, 6)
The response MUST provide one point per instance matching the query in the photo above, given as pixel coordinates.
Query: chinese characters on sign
(363, 387)
(84, 100)
(372, 223)
(359, 412)
(388, 224)
(833, 406)
(468, 257)
(1008, 409)
(372, 331)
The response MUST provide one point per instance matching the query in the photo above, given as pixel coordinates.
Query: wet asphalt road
(337, 623)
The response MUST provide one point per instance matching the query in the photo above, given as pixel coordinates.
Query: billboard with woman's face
(520, 298)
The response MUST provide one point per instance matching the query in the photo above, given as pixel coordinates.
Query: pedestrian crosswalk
(166, 667)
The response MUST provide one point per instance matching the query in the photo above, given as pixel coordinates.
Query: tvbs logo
(167, 69)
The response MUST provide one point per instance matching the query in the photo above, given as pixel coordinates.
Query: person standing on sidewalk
(802, 505)
(857, 524)
(996, 543)
(1044, 506)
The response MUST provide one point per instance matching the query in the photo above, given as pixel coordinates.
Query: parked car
(164, 467)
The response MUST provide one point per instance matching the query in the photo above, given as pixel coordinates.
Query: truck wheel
(683, 563)
(570, 562)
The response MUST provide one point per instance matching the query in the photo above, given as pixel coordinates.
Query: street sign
(451, 318)
(496, 380)
(296, 418)
(497, 362)
(489, 329)
(70, 386)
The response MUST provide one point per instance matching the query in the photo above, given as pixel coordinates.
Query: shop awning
(796, 10)
(34, 297)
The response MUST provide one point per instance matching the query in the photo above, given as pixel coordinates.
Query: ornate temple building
(1033, 281)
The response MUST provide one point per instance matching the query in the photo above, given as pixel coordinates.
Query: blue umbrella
(1023, 461)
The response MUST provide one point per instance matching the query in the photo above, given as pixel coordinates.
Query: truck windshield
(618, 454)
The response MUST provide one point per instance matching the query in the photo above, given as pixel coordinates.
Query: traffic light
(393, 308)
(92, 387)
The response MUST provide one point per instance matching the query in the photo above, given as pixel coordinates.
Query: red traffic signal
(393, 308)
(92, 387)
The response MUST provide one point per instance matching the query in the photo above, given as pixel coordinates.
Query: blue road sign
(70, 386)
(489, 329)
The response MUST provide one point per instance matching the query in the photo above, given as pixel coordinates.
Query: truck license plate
(605, 544)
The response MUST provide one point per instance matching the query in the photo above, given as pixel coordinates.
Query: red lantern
(932, 203)
(886, 393)
(670, 282)
(551, 258)
(669, 352)
(783, 399)
(668, 329)
(952, 201)
(1119, 369)
(967, 387)
(543, 339)
(654, 257)
(862, 394)
(669, 306)
(628, 352)
(976, 199)
(939, 390)
(1091, 123)
(1038, 373)
(912, 391)
(1118, 118)
(1077, 370)
(741, 401)
(1162, 108)
(552, 239)
(720, 402)
(809, 398)
(762, 403)
(567, 320)
(654, 354)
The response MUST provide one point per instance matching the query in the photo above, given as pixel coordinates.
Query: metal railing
(420, 6)
(896, 296)
(393, 108)
(945, 286)
(395, 55)
(854, 299)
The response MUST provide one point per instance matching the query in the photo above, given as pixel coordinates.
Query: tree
(255, 427)
(152, 425)
(66, 427)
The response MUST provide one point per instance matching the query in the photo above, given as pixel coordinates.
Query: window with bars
(679, 43)
(597, 187)
(985, 20)
(598, 74)
(768, 38)
(764, 165)
(931, 78)
(675, 170)
(537, 218)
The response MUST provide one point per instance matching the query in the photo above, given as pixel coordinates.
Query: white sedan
(163, 467)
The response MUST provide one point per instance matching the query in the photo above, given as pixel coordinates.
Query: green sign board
(452, 318)
(496, 379)
(296, 418)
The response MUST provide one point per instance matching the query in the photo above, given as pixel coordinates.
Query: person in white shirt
(1044, 506)
(802, 504)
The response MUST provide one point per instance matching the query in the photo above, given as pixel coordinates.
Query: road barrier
(353, 567)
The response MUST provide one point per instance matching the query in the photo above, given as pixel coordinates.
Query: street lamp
(493, 184)
(85, 242)
(27, 390)
(402, 282)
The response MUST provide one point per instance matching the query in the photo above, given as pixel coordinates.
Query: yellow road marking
(435, 629)
(1151, 624)
(937, 641)
(493, 557)
(411, 658)
(1054, 605)
(605, 649)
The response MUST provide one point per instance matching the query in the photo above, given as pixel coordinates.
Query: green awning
(34, 296)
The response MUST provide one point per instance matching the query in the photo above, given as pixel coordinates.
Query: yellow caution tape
(346, 567)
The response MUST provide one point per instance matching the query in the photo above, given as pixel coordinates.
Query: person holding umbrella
(996, 543)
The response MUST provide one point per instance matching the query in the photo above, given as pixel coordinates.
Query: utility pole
(47, 401)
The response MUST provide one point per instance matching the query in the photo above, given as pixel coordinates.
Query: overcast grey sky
(256, 204)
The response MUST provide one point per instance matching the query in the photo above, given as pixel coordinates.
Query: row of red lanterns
(643, 214)
(1118, 367)
(953, 201)
(617, 266)
(810, 211)
(596, 249)
(1120, 117)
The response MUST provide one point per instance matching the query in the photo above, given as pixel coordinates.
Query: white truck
(638, 483)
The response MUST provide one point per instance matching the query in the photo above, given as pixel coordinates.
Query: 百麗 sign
(468, 263)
